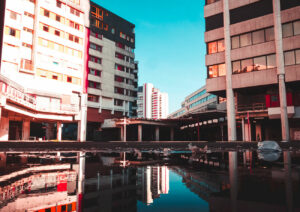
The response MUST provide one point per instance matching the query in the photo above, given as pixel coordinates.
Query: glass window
(287, 30)
(221, 46)
(258, 36)
(247, 65)
(245, 39)
(271, 61)
(260, 63)
(269, 34)
(222, 70)
(298, 56)
(289, 58)
(235, 42)
(296, 28)
(236, 67)
(213, 71)
(13, 15)
(212, 47)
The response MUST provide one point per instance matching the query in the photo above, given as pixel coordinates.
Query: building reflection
(152, 181)
(29, 186)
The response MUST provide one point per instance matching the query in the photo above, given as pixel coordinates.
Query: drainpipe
(280, 70)
(231, 122)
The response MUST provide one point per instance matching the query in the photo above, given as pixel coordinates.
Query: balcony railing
(251, 107)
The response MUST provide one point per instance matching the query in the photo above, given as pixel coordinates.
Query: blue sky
(170, 44)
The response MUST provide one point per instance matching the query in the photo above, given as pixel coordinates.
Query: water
(141, 181)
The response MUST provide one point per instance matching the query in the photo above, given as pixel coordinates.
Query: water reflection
(220, 181)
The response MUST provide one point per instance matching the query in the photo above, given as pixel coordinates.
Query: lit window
(260, 63)
(13, 15)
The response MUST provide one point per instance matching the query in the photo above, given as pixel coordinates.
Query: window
(28, 14)
(57, 18)
(13, 15)
(247, 65)
(69, 79)
(260, 63)
(269, 34)
(222, 70)
(236, 67)
(213, 71)
(26, 45)
(245, 39)
(46, 13)
(93, 98)
(71, 37)
(76, 39)
(113, 30)
(118, 102)
(287, 30)
(296, 25)
(96, 47)
(289, 58)
(221, 46)
(58, 4)
(27, 30)
(46, 28)
(212, 47)
(95, 72)
(54, 77)
(235, 42)
(271, 61)
(258, 36)
(57, 33)
(12, 32)
(297, 56)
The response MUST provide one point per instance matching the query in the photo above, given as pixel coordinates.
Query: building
(152, 103)
(112, 70)
(42, 72)
(197, 101)
(253, 56)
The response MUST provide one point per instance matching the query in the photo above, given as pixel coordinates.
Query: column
(288, 180)
(229, 91)
(280, 70)
(157, 133)
(140, 133)
(26, 130)
(59, 131)
(80, 182)
(243, 129)
(222, 132)
(81, 133)
(172, 134)
(122, 133)
(4, 127)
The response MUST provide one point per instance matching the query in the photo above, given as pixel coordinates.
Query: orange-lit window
(222, 70)
(212, 47)
(213, 71)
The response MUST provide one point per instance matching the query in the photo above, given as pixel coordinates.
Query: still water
(143, 181)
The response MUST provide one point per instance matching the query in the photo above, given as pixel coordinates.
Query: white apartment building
(42, 65)
(152, 103)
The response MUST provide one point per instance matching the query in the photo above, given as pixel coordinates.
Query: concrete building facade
(42, 72)
(253, 59)
(152, 103)
(197, 101)
(112, 70)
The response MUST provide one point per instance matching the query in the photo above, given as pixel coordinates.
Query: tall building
(152, 103)
(197, 101)
(42, 72)
(112, 70)
(253, 55)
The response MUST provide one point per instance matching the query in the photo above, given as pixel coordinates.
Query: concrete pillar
(4, 128)
(243, 129)
(280, 70)
(172, 134)
(26, 130)
(229, 91)
(157, 133)
(122, 133)
(140, 133)
(248, 132)
(81, 178)
(59, 131)
(81, 133)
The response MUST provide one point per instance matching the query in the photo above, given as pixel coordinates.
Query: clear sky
(170, 44)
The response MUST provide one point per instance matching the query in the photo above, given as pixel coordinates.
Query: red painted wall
(93, 115)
